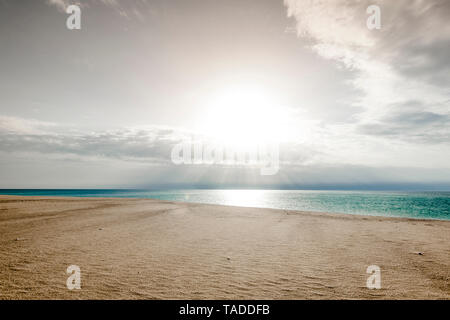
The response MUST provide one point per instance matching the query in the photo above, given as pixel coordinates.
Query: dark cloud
(150, 145)
(144, 145)
(428, 62)
(408, 122)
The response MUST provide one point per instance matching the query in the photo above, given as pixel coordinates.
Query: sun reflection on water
(243, 198)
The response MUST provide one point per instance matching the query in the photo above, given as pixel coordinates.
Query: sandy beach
(150, 249)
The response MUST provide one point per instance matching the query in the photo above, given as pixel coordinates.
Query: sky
(104, 106)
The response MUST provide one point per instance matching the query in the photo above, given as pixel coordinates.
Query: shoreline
(134, 248)
(224, 205)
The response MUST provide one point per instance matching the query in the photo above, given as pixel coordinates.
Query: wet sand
(151, 249)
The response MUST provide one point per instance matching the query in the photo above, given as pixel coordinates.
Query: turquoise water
(423, 205)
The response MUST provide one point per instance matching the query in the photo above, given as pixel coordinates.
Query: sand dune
(149, 249)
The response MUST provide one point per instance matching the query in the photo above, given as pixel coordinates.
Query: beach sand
(151, 249)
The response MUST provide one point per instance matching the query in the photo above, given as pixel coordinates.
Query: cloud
(43, 154)
(153, 145)
(419, 127)
(147, 145)
(24, 126)
(410, 121)
(61, 5)
(341, 24)
(337, 146)
(407, 60)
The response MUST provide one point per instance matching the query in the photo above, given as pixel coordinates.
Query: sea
(419, 205)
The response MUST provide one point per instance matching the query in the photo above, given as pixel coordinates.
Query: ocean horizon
(405, 204)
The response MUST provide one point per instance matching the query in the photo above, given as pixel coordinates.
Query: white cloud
(31, 136)
(38, 154)
(404, 61)
(60, 4)
(338, 145)
(14, 125)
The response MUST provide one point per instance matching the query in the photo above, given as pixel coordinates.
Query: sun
(244, 116)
